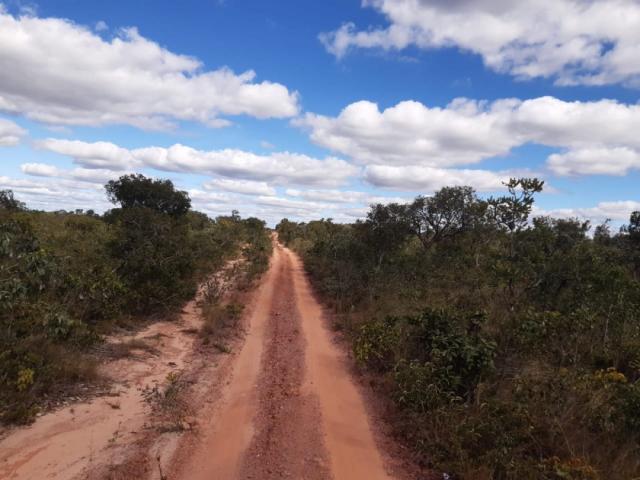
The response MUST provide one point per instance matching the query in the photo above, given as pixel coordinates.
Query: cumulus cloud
(91, 155)
(244, 187)
(287, 204)
(89, 175)
(56, 194)
(341, 196)
(277, 167)
(574, 41)
(618, 211)
(81, 187)
(78, 78)
(429, 179)
(331, 196)
(595, 137)
(597, 160)
(10, 133)
(410, 132)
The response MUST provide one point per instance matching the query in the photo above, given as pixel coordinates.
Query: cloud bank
(410, 140)
(277, 168)
(572, 41)
(57, 72)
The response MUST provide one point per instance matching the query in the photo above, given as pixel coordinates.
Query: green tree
(151, 242)
(136, 190)
(9, 202)
(448, 213)
(512, 211)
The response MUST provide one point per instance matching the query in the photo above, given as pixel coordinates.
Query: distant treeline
(67, 278)
(510, 346)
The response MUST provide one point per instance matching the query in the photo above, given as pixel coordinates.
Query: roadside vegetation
(67, 278)
(508, 345)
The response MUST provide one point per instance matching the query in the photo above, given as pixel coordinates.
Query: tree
(512, 211)
(632, 240)
(136, 190)
(449, 212)
(286, 230)
(634, 226)
(9, 202)
(151, 241)
(385, 229)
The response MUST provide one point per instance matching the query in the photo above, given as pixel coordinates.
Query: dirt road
(282, 405)
(291, 409)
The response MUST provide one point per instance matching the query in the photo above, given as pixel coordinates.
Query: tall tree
(136, 190)
(449, 212)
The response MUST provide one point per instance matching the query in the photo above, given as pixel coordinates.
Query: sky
(306, 109)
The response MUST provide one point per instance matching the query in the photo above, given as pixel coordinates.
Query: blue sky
(349, 103)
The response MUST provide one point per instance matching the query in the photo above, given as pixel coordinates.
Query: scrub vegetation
(67, 278)
(508, 345)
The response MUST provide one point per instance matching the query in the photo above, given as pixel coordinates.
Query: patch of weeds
(214, 289)
(169, 403)
(218, 320)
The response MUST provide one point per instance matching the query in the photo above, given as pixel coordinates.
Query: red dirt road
(291, 408)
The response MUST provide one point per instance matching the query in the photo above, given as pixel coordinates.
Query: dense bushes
(66, 278)
(510, 345)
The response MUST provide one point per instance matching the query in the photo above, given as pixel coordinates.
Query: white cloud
(244, 187)
(288, 204)
(341, 196)
(56, 194)
(277, 167)
(429, 179)
(89, 175)
(75, 77)
(40, 170)
(573, 41)
(468, 131)
(410, 132)
(91, 155)
(331, 196)
(210, 199)
(598, 160)
(618, 211)
(10, 133)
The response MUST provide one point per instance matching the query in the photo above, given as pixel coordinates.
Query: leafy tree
(512, 211)
(632, 231)
(385, 229)
(9, 202)
(634, 226)
(136, 190)
(448, 213)
(286, 230)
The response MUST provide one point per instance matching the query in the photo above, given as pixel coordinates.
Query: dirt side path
(66, 443)
(108, 436)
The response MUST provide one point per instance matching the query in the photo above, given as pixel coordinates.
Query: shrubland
(508, 345)
(67, 278)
